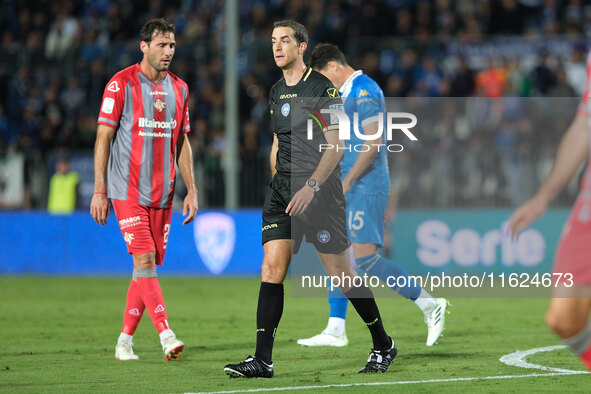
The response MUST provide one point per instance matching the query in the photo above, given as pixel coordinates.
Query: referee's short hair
(299, 31)
(324, 53)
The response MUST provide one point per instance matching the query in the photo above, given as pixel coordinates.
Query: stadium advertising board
(221, 243)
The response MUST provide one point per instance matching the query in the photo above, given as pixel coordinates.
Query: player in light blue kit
(366, 184)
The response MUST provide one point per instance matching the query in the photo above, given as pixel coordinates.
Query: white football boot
(435, 321)
(325, 339)
(172, 348)
(124, 351)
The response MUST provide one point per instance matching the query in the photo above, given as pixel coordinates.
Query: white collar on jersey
(346, 88)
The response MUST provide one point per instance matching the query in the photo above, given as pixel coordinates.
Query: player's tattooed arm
(363, 160)
(99, 206)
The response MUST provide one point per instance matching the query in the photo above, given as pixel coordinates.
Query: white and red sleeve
(112, 104)
(185, 123)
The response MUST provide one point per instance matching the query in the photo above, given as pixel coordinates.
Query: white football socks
(125, 338)
(335, 326)
(425, 301)
(165, 334)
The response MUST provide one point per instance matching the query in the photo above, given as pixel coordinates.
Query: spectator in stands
(542, 75)
(492, 80)
(63, 188)
(462, 81)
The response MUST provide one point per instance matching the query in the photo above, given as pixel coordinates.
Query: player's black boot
(252, 367)
(380, 360)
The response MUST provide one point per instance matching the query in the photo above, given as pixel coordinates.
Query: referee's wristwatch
(313, 184)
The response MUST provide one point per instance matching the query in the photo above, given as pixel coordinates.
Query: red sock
(586, 357)
(133, 310)
(151, 293)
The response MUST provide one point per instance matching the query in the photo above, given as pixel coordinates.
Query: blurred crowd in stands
(58, 55)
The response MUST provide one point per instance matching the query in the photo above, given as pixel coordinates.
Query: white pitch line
(327, 386)
(517, 359)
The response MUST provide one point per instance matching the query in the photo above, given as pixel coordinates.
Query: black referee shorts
(323, 223)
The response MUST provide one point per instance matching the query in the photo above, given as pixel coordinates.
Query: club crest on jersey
(159, 105)
(113, 87)
(285, 109)
(323, 236)
(128, 237)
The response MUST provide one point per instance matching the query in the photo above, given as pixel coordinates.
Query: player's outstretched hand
(191, 206)
(526, 214)
(300, 201)
(99, 208)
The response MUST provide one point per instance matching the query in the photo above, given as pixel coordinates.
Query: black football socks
(365, 304)
(269, 311)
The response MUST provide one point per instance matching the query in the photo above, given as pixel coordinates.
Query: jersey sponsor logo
(158, 93)
(159, 309)
(288, 96)
(332, 93)
(128, 237)
(108, 104)
(363, 93)
(285, 109)
(154, 124)
(130, 222)
(156, 134)
(134, 312)
(215, 238)
(323, 236)
(113, 87)
(159, 105)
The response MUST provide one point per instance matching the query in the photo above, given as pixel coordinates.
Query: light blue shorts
(365, 217)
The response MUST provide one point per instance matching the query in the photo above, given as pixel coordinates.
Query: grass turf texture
(59, 335)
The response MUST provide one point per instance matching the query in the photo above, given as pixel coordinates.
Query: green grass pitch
(58, 335)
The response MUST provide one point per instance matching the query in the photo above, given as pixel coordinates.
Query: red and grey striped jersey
(148, 118)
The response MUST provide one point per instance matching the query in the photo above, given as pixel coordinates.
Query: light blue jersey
(363, 95)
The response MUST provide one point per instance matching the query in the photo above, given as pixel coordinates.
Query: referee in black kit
(317, 207)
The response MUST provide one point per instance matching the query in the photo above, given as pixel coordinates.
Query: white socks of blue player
(335, 326)
(125, 338)
(426, 302)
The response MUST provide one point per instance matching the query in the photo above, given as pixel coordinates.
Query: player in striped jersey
(142, 128)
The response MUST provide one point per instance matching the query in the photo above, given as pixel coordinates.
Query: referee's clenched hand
(300, 201)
